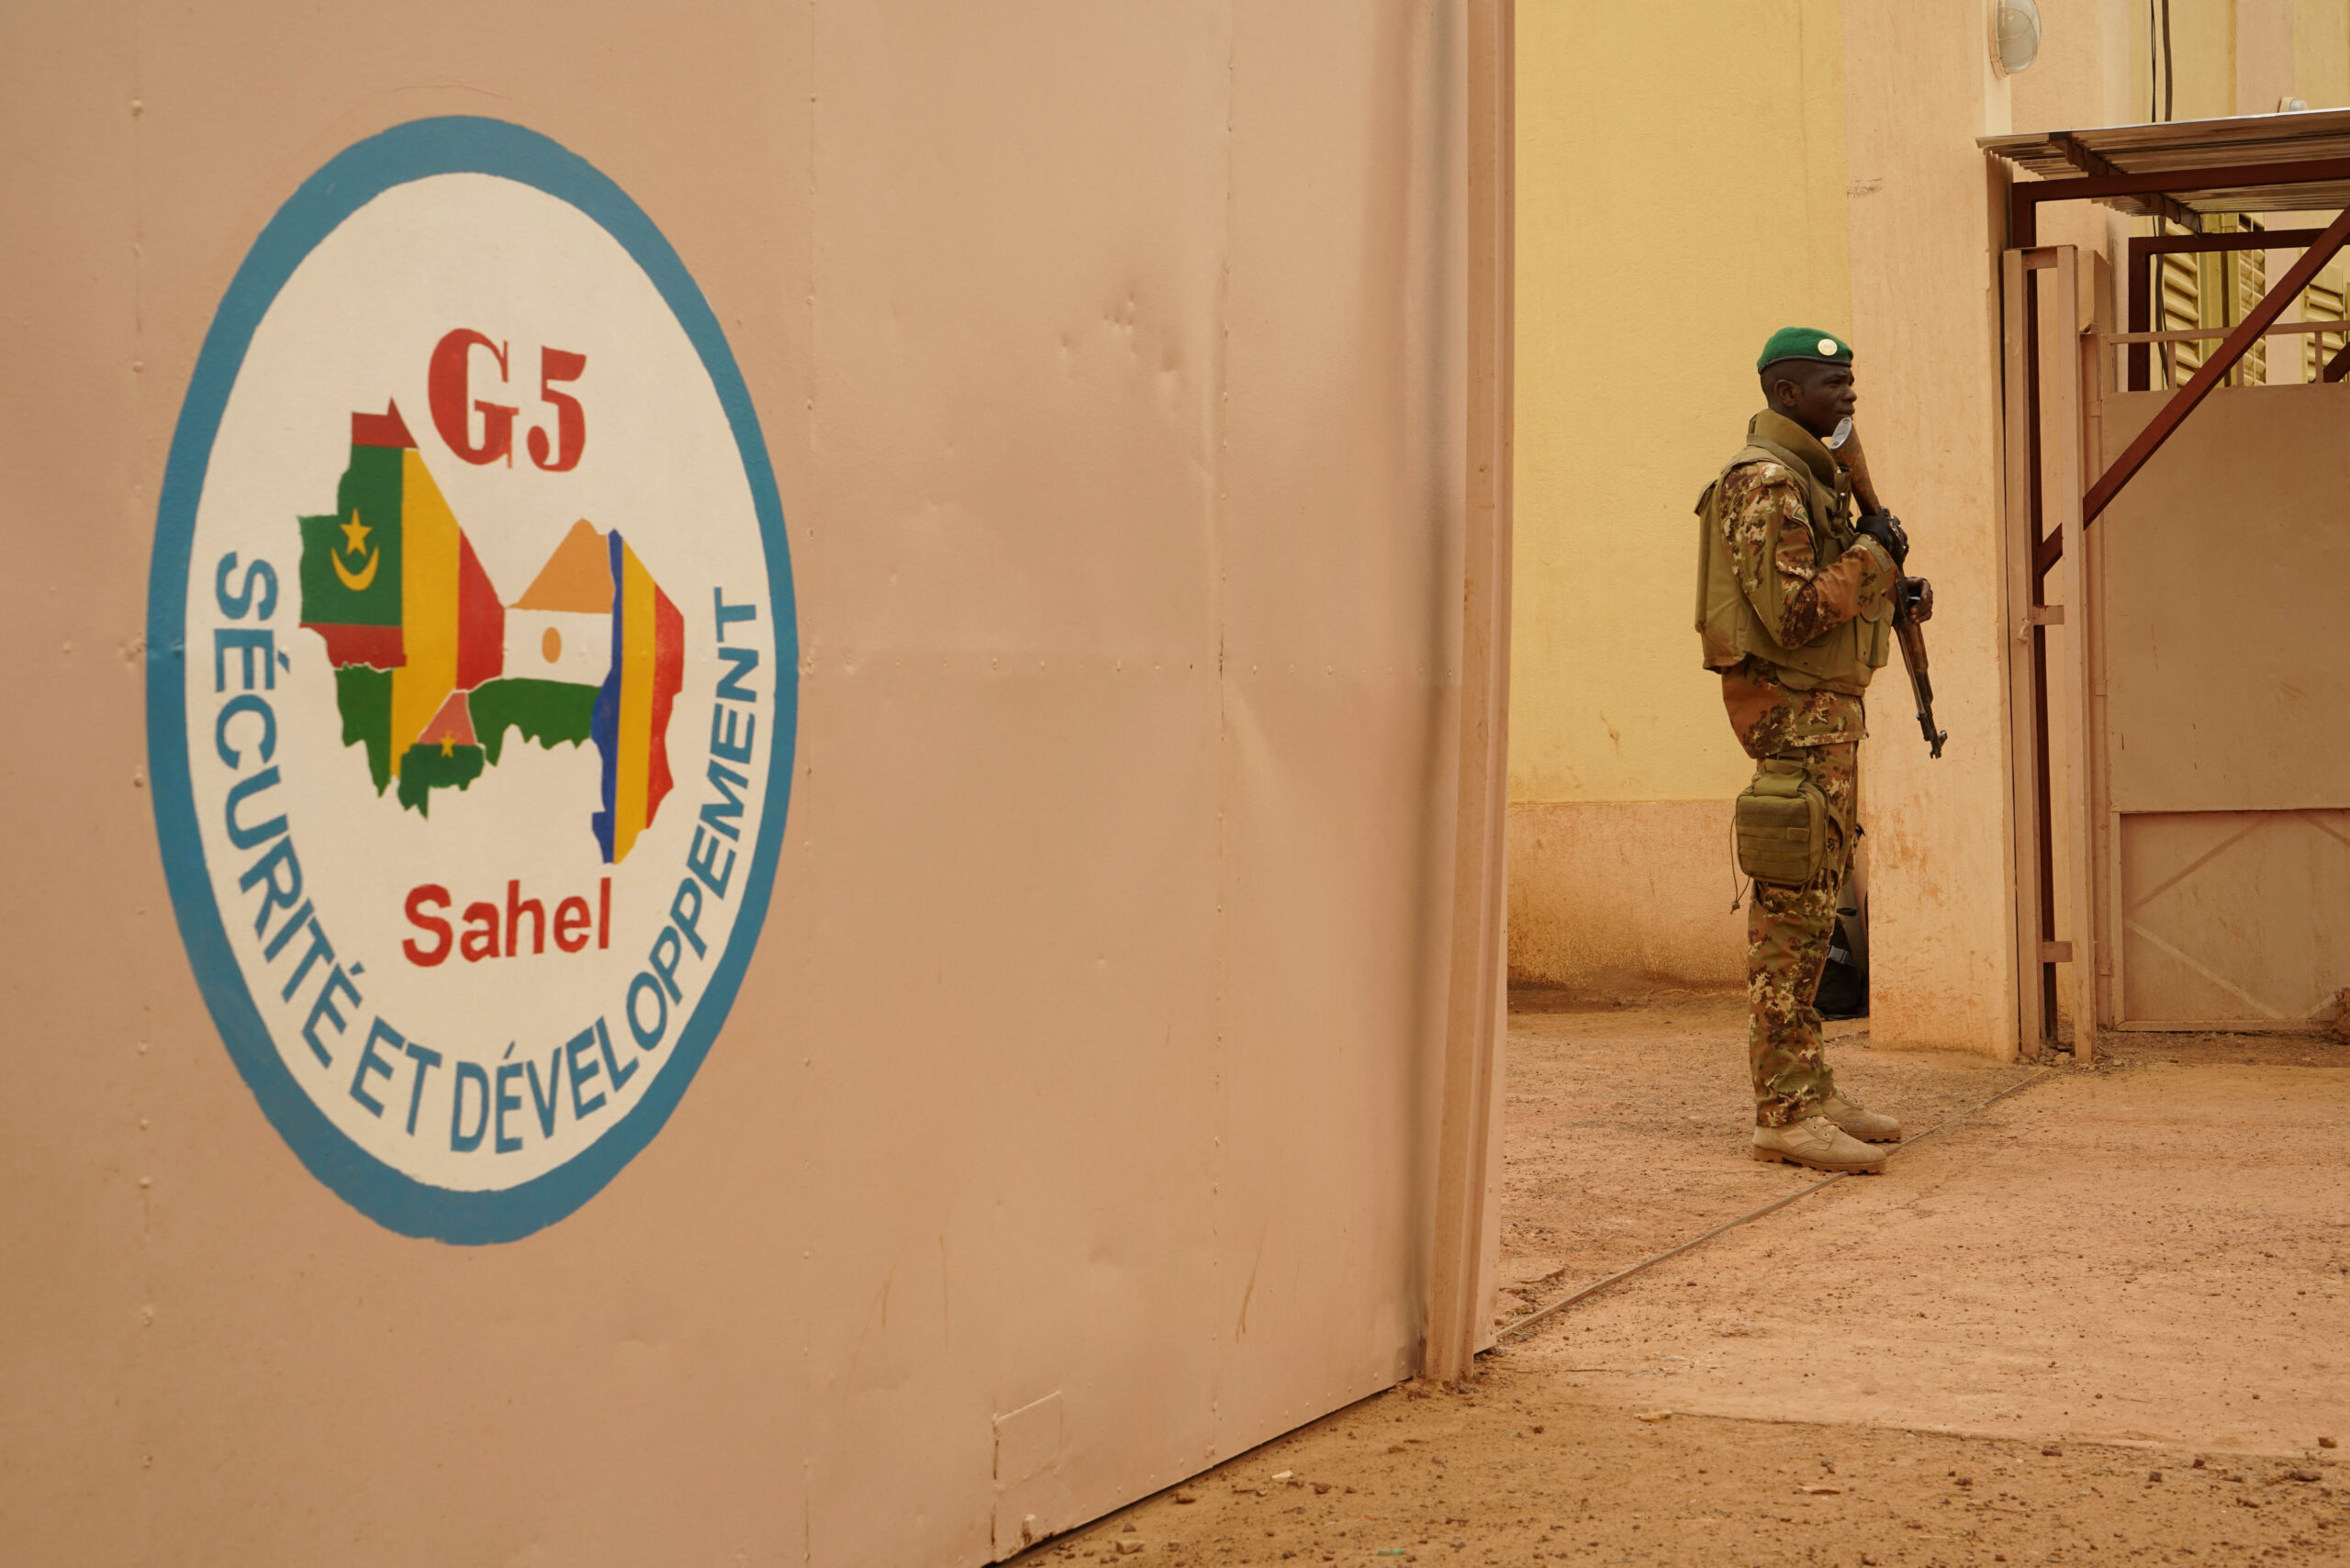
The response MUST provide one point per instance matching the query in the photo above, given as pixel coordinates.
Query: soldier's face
(1815, 395)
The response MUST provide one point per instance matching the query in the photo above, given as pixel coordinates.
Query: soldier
(1795, 606)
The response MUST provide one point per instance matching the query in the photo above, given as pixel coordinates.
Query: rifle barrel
(1846, 445)
(1921, 686)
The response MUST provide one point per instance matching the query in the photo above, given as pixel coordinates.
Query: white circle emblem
(488, 678)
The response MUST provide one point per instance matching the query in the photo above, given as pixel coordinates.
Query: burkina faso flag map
(433, 668)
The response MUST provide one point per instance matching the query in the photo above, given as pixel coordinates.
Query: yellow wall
(1681, 193)
(2242, 56)
(2203, 32)
(2322, 53)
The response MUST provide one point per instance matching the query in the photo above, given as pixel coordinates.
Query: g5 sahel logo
(472, 682)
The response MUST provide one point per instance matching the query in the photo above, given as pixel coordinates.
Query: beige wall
(2091, 68)
(1681, 178)
(1110, 361)
(1919, 90)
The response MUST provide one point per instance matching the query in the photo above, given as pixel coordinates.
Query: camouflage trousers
(1788, 931)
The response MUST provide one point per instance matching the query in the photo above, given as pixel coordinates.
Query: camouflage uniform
(1789, 929)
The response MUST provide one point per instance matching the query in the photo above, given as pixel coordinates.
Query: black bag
(1844, 984)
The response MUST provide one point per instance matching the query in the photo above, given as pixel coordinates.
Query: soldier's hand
(1916, 599)
(1886, 529)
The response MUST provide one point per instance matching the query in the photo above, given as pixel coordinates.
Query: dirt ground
(2100, 1321)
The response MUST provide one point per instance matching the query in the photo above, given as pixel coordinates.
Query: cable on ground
(1587, 1292)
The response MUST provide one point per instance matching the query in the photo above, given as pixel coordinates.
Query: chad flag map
(433, 668)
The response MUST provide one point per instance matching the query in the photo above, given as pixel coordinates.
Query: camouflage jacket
(1761, 503)
(1762, 511)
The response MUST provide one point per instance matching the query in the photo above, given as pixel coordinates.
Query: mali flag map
(431, 668)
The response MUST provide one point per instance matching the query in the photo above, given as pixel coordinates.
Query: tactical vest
(1840, 660)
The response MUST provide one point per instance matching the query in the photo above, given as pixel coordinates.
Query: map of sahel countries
(432, 667)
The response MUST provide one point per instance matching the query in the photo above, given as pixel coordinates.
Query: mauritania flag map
(432, 670)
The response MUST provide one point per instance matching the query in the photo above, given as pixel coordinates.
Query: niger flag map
(431, 670)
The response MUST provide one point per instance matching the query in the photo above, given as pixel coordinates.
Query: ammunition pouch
(1780, 821)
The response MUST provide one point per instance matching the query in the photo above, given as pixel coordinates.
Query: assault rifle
(1913, 597)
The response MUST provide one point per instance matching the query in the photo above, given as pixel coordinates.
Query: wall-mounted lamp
(2015, 35)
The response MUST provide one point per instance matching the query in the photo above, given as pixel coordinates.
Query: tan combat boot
(1869, 1126)
(1818, 1142)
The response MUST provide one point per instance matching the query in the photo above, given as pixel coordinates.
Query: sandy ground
(2101, 1321)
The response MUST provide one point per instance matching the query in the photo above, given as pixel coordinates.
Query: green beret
(1806, 342)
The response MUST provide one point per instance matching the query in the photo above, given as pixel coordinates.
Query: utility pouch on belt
(1782, 827)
